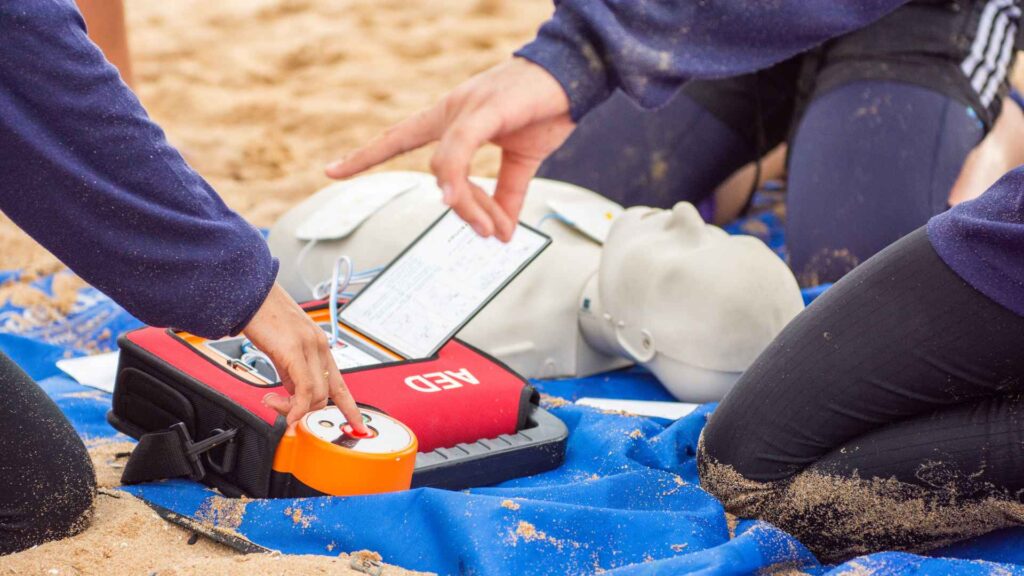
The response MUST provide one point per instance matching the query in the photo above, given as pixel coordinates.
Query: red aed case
(477, 422)
(196, 405)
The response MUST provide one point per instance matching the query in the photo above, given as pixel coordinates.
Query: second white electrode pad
(593, 216)
(438, 284)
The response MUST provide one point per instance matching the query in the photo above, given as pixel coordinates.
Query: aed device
(440, 412)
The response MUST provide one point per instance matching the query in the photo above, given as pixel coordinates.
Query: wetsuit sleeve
(649, 48)
(87, 174)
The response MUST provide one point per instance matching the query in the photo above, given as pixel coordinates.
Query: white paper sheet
(432, 289)
(669, 410)
(98, 371)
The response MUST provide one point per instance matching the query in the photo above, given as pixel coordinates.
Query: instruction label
(438, 284)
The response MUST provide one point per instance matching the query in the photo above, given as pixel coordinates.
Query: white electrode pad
(430, 291)
(347, 355)
(593, 216)
(352, 203)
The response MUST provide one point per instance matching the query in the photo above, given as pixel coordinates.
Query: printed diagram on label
(437, 285)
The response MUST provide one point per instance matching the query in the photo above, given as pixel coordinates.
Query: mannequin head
(692, 303)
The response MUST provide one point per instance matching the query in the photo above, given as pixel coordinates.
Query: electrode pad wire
(331, 289)
(322, 290)
(251, 355)
(554, 216)
(337, 289)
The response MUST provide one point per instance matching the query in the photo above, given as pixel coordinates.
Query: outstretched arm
(588, 49)
(88, 175)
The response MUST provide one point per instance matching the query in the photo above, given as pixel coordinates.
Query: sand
(838, 517)
(259, 95)
(127, 537)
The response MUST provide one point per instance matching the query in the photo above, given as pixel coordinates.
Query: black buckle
(194, 450)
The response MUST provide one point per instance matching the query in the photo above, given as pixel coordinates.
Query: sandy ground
(128, 537)
(260, 94)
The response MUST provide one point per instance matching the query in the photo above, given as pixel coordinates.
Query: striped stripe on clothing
(988, 62)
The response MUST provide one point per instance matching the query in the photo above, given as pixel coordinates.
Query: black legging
(889, 414)
(857, 181)
(47, 482)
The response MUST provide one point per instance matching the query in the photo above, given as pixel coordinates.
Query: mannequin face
(642, 236)
(684, 291)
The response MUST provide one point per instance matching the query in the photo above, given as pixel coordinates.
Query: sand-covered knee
(738, 495)
(838, 518)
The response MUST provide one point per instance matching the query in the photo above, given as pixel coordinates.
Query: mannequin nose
(685, 215)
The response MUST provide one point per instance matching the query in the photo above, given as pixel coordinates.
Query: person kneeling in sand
(692, 303)
(888, 415)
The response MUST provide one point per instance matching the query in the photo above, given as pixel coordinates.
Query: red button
(350, 431)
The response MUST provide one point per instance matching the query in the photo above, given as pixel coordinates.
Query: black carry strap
(171, 453)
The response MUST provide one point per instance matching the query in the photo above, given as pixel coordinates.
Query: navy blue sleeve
(86, 173)
(649, 48)
(982, 240)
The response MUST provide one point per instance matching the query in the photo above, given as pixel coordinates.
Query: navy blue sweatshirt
(649, 48)
(86, 173)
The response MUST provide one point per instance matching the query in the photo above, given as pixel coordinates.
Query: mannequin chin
(667, 291)
(690, 383)
(685, 382)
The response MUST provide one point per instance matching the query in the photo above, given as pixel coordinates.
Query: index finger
(422, 128)
(343, 400)
(514, 177)
(338, 392)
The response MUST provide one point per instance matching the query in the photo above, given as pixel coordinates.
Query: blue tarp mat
(626, 501)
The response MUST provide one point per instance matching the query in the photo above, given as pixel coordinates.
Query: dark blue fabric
(92, 178)
(870, 161)
(640, 157)
(983, 241)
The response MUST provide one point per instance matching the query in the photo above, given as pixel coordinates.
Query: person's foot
(1002, 150)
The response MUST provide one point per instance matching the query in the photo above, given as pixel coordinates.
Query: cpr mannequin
(685, 299)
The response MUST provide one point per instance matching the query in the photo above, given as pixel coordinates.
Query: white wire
(337, 288)
(553, 216)
(322, 291)
(334, 287)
